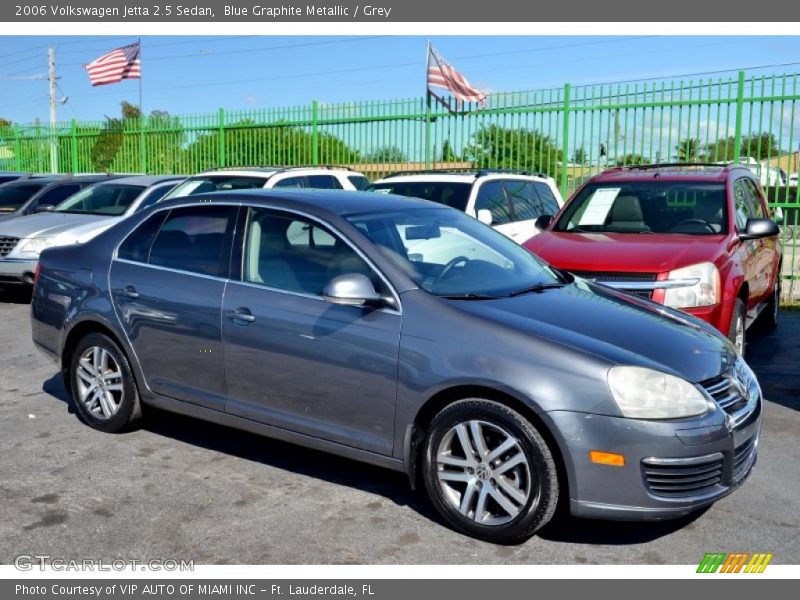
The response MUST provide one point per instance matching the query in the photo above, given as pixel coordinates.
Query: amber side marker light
(607, 458)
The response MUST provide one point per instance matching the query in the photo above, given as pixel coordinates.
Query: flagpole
(427, 108)
(142, 153)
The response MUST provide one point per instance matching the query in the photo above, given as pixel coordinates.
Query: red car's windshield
(686, 207)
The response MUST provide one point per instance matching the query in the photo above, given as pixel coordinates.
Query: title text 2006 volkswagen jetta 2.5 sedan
(408, 335)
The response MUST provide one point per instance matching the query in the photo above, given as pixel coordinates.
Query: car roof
(267, 172)
(146, 180)
(466, 177)
(695, 172)
(337, 202)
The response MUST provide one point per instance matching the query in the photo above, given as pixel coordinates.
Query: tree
(579, 156)
(632, 159)
(760, 146)
(448, 154)
(501, 148)
(386, 154)
(688, 150)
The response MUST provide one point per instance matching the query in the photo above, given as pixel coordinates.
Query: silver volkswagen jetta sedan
(499, 382)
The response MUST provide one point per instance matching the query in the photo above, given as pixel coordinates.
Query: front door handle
(130, 292)
(241, 314)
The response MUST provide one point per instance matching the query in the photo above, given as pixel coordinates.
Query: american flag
(119, 64)
(441, 74)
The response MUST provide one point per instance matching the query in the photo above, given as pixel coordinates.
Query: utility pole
(53, 137)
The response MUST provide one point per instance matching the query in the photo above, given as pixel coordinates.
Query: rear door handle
(130, 292)
(241, 314)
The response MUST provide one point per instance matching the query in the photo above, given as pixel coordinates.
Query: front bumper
(672, 468)
(17, 270)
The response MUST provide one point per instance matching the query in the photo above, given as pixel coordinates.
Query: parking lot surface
(185, 489)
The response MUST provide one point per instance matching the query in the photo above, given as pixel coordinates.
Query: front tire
(768, 320)
(489, 472)
(737, 329)
(102, 385)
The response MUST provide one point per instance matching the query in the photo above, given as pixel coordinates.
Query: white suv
(325, 178)
(508, 201)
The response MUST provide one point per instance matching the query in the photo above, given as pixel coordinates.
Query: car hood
(653, 253)
(613, 326)
(72, 227)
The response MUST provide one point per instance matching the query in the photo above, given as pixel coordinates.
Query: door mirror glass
(485, 216)
(759, 228)
(351, 289)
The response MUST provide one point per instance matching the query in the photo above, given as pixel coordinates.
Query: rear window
(680, 207)
(449, 193)
(359, 182)
(14, 196)
(215, 183)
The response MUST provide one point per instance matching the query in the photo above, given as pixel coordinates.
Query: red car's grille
(620, 276)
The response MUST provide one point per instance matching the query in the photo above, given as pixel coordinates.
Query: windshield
(451, 254)
(449, 193)
(686, 207)
(14, 196)
(215, 183)
(108, 199)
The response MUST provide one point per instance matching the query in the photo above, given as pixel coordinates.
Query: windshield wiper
(534, 289)
(471, 296)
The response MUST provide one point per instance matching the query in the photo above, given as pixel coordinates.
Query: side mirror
(351, 289)
(543, 222)
(45, 208)
(759, 228)
(485, 216)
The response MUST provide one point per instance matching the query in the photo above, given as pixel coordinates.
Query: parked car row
(407, 333)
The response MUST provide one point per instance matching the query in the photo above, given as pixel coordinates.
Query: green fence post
(315, 133)
(737, 140)
(142, 147)
(428, 130)
(221, 149)
(565, 143)
(74, 145)
(17, 149)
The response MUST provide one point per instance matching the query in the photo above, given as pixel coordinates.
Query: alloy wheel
(483, 472)
(99, 381)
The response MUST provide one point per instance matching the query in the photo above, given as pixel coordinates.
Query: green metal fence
(569, 133)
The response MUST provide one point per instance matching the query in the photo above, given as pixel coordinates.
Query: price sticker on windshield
(599, 206)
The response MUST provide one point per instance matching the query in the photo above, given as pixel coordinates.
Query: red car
(698, 238)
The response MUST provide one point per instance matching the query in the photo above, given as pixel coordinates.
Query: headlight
(36, 245)
(647, 394)
(703, 293)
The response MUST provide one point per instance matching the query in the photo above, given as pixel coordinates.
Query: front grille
(620, 276)
(727, 394)
(682, 478)
(7, 244)
(743, 458)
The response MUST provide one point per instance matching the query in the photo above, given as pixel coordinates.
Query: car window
(547, 197)
(56, 195)
(109, 199)
(449, 193)
(14, 196)
(757, 208)
(203, 184)
(742, 203)
(359, 182)
(194, 239)
(492, 197)
(290, 182)
(295, 254)
(526, 200)
(649, 206)
(154, 194)
(136, 246)
(323, 182)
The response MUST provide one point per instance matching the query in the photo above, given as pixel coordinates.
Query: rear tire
(737, 329)
(102, 385)
(489, 472)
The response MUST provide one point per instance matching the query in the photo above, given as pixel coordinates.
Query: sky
(197, 75)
